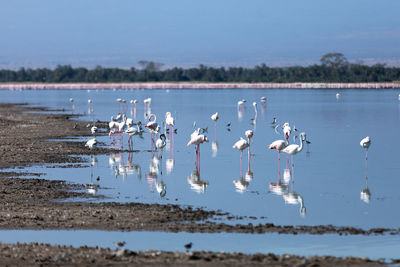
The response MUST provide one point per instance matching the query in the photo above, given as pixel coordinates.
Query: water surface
(326, 183)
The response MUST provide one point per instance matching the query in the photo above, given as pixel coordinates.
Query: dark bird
(119, 244)
(229, 124)
(175, 131)
(273, 121)
(76, 126)
(188, 246)
(98, 178)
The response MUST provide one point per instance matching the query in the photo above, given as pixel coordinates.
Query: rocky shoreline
(30, 204)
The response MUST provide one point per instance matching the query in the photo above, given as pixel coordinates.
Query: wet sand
(32, 204)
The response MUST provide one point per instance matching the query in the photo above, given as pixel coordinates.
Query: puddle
(374, 247)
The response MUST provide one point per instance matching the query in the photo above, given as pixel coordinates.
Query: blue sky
(119, 33)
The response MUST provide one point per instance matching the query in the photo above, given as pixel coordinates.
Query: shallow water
(328, 179)
(374, 247)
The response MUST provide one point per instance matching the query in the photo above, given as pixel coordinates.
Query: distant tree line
(334, 67)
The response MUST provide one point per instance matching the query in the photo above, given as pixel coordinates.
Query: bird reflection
(365, 194)
(133, 108)
(242, 184)
(294, 198)
(214, 148)
(116, 162)
(254, 119)
(240, 113)
(169, 165)
(92, 187)
(152, 177)
(196, 184)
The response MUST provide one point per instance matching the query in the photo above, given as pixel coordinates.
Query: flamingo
(254, 120)
(147, 101)
(294, 149)
(241, 102)
(153, 127)
(132, 131)
(278, 145)
(170, 122)
(241, 145)
(287, 131)
(91, 143)
(365, 143)
(215, 117)
(249, 134)
(197, 139)
(161, 141)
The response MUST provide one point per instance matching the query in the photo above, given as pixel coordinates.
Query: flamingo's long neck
(154, 118)
(301, 145)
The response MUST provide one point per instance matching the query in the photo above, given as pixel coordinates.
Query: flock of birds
(121, 125)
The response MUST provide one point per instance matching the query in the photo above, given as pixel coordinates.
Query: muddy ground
(37, 138)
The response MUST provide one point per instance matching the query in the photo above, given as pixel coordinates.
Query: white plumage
(241, 144)
(91, 143)
(365, 142)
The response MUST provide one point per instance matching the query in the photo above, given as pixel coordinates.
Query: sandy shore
(181, 85)
(29, 204)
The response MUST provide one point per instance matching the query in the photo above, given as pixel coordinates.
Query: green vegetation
(334, 68)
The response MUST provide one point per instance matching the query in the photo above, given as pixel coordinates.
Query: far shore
(182, 85)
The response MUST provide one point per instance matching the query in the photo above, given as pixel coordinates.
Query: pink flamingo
(278, 145)
(241, 145)
(153, 127)
(197, 139)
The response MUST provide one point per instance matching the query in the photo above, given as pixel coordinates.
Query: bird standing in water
(365, 143)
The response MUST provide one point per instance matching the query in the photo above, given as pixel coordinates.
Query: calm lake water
(324, 187)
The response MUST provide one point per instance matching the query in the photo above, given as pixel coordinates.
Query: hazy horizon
(179, 33)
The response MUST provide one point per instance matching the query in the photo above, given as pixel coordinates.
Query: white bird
(249, 134)
(215, 116)
(337, 95)
(161, 141)
(241, 145)
(197, 139)
(93, 129)
(71, 100)
(278, 145)
(287, 131)
(147, 101)
(293, 149)
(89, 101)
(365, 143)
(169, 120)
(132, 131)
(263, 99)
(91, 143)
(152, 124)
(241, 102)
